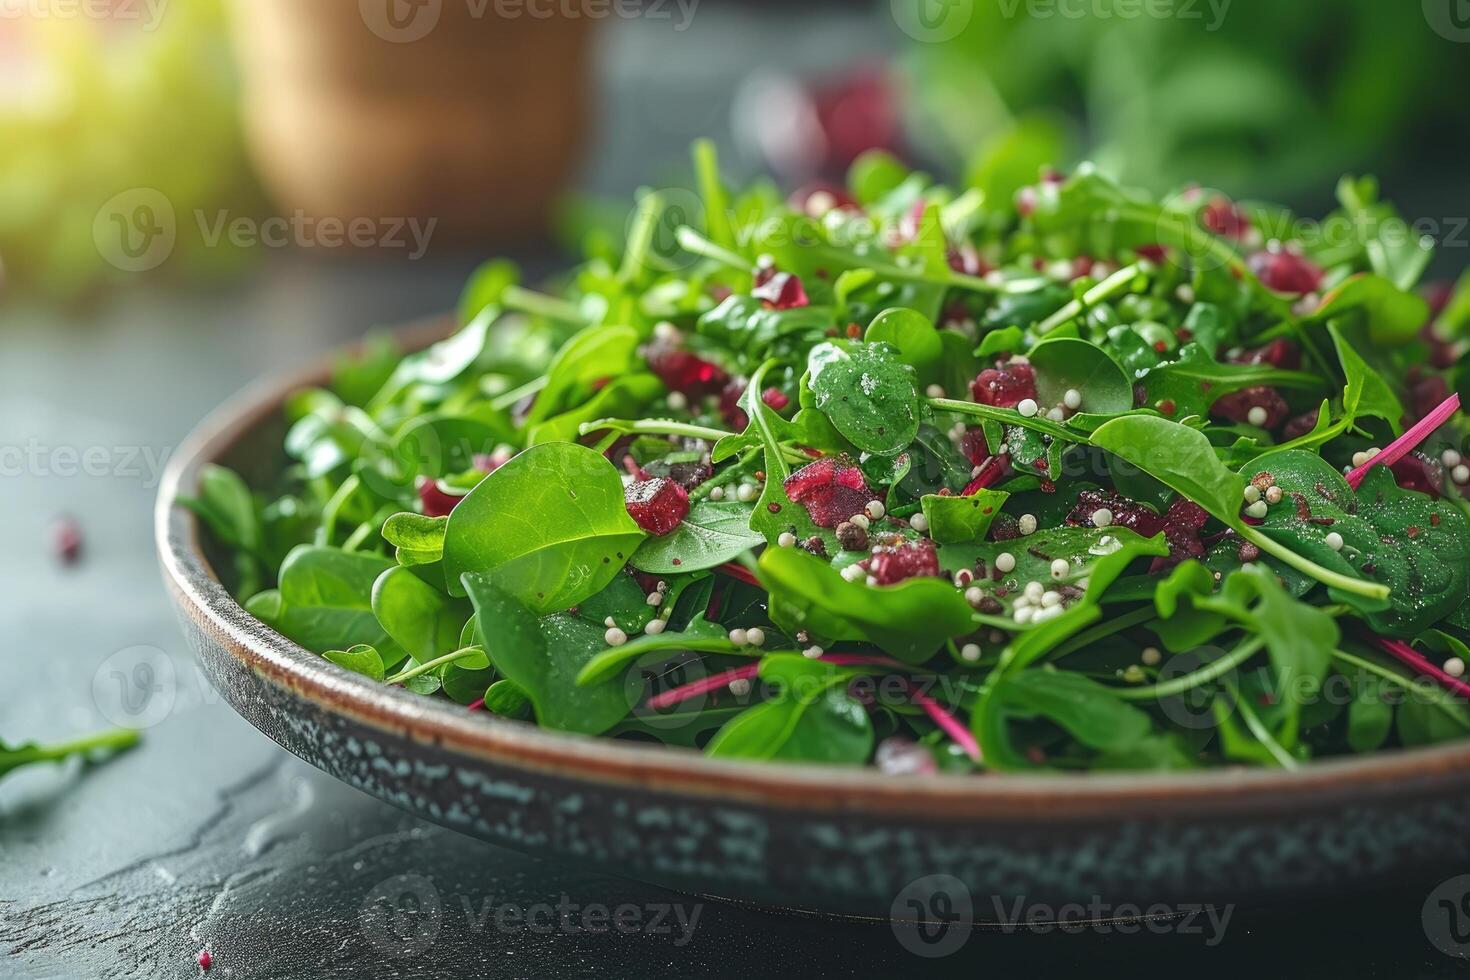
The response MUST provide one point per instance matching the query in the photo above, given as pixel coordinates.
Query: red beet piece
(1302, 424)
(1286, 272)
(66, 539)
(831, 489)
(1183, 522)
(1223, 218)
(775, 399)
(1417, 471)
(1279, 353)
(1126, 512)
(685, 373)
(205, 959)
(1004, 387)
(730, 409)
(1237, 406)
(658, 505)
(780, 291)
(436, 502)
(896, 558)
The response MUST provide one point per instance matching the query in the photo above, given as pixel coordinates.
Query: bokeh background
(511, 122)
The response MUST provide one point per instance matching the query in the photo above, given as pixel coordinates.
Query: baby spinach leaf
(542, 657)
(1083, 708)
(910, 621)
(910, 333)
(957, 520)
(325, 598)
(1370, 717)
(423, 620)
(870, 395)
(698, 635)
(361, 659)
(743, 324)
(593, 354)
(1066, 363)
(419, 539)
(550, 526)
(1417, 546)
(714, 532)
(810, 719)
(1194, 381)
(621, 397)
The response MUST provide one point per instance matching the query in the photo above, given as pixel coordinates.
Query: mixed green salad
(892, 473)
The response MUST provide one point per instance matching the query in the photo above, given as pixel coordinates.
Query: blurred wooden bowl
(396, 109)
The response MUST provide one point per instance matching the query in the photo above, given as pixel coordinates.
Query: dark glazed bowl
(831, 839)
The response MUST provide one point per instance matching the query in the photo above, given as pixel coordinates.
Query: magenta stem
(1410, 440)
(475, 705)
(1407, 655)
(715, 682)
(947, 722)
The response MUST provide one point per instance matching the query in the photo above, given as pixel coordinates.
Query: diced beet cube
(1279, 353)
(1238, 407)
(1302, 424)
(831, 489)
(1417, 471)
(730, 409)
(658, 505)
(1183, 522)
(1287, 272)
(896, 558)
(1125, 512)
(1004, 387)
(687, 475)
(775, 399)
(1426, 393)
(685, 373)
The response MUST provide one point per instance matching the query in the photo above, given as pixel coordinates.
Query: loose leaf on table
(550, 526)
(714, 532)
(870, 395)
(809, 719)
(910, 621)
(542, 656)
(13, 756)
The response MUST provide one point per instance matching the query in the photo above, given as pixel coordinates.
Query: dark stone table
(208, 835)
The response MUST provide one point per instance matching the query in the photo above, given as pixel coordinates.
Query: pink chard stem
(1407, 442)
(1412, 658)
(947, 722)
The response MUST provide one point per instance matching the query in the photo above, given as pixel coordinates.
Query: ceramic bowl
(838, 840)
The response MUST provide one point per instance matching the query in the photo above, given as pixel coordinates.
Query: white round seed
(786, 539)
(1257, 510)
(746, 493)
(1061, 568)
(1028, 407)
(755, 636)
(1252, 493)
(656, 626)
(1028, 523)
(970, 652)
(919, 523)
(1334, 540)
(655, 598)
(1051, 598)
(740, 687)
(1257, 416)
(1102, 517)
(934, 391)
(1274, 495)
(861, 520)
(853, 572)
(1455, 667)
(738, 637)
(1451, 458)
(609, 622)
(1072, 399)
(1460, 474)
(1005, 562)
(718, 493)
(1024, 614)
(974, 596)
(813, 652)
(677, 401)
(875, 510)
(1151, 657)
(615, 637)
(1034, 591)
(1057, 415)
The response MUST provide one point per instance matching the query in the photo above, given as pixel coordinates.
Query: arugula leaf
(14, 756)
(550, 526)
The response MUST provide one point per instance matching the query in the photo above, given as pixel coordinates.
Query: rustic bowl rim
(521, 746)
